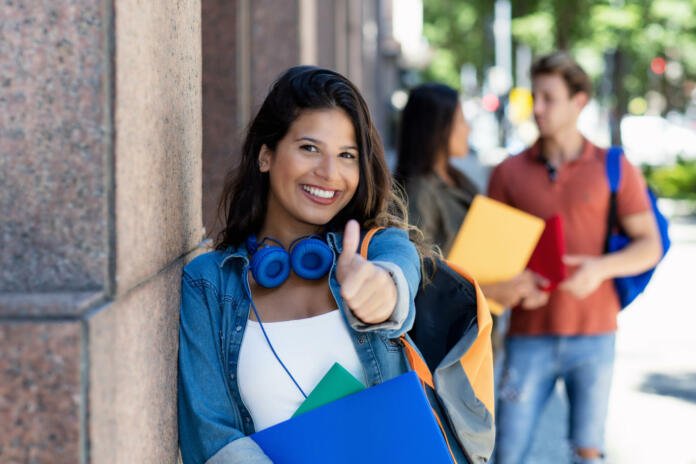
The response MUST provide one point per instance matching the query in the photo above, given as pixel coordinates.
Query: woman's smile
(320, 195)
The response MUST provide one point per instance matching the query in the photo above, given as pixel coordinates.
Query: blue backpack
(628, 287)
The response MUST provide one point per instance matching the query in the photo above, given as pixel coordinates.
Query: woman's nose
(327, 168)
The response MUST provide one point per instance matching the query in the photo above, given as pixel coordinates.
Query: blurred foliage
(592, 30)
(676, 181)
(458, 30)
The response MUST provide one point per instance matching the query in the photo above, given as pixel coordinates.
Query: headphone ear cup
(311, 258)
(270, 266)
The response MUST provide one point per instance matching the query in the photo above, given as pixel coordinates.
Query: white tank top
(308, 348)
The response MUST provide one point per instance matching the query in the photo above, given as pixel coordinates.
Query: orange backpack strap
(418, 364)
(366, 240)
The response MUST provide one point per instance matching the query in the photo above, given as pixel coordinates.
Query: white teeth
(319, 192)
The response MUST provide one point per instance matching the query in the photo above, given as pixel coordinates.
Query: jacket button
(239, 328)
(232, 376)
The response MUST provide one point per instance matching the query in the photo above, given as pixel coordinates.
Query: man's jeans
(532, 366)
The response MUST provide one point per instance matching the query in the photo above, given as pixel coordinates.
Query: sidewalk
(652, 410)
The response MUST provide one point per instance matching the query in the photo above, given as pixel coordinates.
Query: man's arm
(643, 253)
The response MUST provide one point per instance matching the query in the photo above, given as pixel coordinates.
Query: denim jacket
(214, 423)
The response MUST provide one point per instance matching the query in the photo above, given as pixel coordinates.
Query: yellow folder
(495, 242)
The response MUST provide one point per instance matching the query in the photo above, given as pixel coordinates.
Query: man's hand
(586, 279)
(520, 290)
(368, 290)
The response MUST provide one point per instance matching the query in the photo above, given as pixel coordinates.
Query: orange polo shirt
(580, 195)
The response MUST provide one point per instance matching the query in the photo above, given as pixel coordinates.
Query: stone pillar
(221, 120)
(100, 174)
(246, 45)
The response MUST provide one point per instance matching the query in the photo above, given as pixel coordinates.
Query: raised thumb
(351, 240)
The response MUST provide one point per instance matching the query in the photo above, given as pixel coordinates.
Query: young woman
(433, 131)
(312, 165)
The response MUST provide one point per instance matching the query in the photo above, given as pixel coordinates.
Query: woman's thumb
(351, 240)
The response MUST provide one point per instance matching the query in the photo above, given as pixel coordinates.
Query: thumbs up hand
(368, 290)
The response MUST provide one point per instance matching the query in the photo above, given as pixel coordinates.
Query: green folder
(336, 384)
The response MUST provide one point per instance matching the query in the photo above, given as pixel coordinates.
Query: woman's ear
(264, 159)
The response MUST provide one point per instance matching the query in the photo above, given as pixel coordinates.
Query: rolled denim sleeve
(208, 417)
(392, 250)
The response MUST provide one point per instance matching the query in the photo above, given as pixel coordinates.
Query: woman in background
(433, 131)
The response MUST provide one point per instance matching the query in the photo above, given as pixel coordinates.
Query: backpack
(628, 287)
(449, 347)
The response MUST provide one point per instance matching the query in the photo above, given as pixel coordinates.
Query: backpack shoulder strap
(614, 167)
(366, 240)
(418, 363)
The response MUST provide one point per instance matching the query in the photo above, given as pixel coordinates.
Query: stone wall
(246, 45)
(100, 136)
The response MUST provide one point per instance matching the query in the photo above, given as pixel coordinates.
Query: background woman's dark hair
(426, 124)
(245, 194)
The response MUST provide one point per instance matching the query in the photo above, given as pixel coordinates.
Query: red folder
(547, 258)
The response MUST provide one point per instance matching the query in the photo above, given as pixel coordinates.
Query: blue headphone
(310, 258)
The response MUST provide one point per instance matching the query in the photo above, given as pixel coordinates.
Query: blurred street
(652, 411)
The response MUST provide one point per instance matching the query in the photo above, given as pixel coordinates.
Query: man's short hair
(564, 65)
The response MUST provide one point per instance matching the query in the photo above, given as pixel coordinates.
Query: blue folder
(390, 422)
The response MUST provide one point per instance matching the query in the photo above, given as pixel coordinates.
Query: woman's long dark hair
(426, 124)
(245, 194)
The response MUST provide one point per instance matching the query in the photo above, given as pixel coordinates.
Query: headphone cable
(248, 292)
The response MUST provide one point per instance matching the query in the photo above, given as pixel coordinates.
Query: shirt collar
(586, 154)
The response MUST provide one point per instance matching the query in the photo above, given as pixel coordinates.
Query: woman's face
(459, 136)
(313, 172)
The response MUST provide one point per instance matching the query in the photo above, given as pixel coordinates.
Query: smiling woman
(285, 295)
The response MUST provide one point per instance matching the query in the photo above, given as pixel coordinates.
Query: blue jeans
(533, 364)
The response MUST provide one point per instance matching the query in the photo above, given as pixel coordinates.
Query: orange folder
(495, 242)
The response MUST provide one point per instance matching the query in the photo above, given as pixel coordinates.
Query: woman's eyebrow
(319, 142)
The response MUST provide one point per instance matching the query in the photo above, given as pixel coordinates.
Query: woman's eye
(348, 155)
(309, 148)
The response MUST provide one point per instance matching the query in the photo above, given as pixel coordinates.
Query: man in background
(571, 337)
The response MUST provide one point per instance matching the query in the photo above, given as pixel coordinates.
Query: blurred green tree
(459, 32)
(614, 40)
(677, 181)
